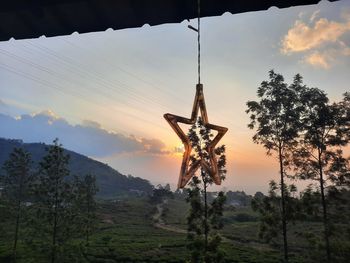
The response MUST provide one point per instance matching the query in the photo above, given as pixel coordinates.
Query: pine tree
(16, 182)
(54, 205)
(84, 194)
(204, 219)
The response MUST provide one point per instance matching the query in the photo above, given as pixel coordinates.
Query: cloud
(319, 39)
(314, 15)
(49, 113)
(318, 59)
(179, 149)
(302, 37)
(326, 58)
(154, 146)
(88, 138)
(92, 124)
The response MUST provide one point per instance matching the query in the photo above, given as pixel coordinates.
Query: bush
(244, 217)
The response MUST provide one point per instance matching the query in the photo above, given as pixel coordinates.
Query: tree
(269, 209)
(160, 193)
(338, 209)
(310, 203)
(54, 199)
(326, 129)
(204, 219)
(85, 190)
(259, 195)
(17, 181)
(276, 120)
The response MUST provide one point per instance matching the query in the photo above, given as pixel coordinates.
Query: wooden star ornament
(211, 167)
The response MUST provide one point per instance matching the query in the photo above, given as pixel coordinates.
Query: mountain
(110, 182)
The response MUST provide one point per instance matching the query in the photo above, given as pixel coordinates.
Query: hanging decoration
(211, 167)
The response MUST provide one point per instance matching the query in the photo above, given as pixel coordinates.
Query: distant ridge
(110, 182)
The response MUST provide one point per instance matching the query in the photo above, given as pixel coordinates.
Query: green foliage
(16, 182)
(270, 216)
(307, 132)
(276, 115)
(54, 206)
(276, 118)
(338, 204)
(324, 130)
(238, 197)
(84, 192)
(244, 217)
(160, 193)
(310, 203)
(125, 233)
(18, 176)
(204, 220)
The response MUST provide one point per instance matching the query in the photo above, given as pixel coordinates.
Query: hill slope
(110, 182)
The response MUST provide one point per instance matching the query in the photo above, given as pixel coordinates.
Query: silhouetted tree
(319, 156)
(239, 196)
(338, 209)
(276, 120)
(85, 190)
(310, 203)
(55, 200)
(269, 209)
(160, 193)
(17, 180)
(259, 195)
(204, 219)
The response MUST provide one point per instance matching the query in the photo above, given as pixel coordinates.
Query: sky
(104, 94)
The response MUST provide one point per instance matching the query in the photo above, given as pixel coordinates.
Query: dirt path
(159, 221)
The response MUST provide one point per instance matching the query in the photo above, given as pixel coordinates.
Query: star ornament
(211, 167)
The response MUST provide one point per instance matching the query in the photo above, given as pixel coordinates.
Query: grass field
(127, 232)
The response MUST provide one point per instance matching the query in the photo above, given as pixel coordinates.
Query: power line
(97, 77)
(110, 63)
(59, 89)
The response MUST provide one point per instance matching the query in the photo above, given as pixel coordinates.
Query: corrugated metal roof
(22, 19)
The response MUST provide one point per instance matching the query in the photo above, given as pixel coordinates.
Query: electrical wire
(78, 96)
(199, 40)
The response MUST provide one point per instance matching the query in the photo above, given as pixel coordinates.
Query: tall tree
(85, 192)
(17, 180)
(54, 193)
(276, 120)
(319, 155)
(204, 218)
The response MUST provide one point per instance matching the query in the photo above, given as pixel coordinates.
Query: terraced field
(129, 231)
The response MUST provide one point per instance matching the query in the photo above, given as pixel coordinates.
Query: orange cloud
(318, 59)
(302, 37)
(320, 40)
(327, 57)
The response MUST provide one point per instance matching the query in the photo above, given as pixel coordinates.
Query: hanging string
(199, 42)
(198, 38)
